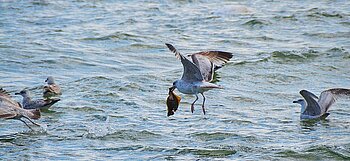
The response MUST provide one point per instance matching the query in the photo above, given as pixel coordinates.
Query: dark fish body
(172, 102)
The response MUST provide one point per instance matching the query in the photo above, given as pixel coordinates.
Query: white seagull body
(313, 107)
(199, 72)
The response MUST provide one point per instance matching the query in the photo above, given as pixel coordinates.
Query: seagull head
(24, 93)
(50, 80)
(175, 84)
(302, 102)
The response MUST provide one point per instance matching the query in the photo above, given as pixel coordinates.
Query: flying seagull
(10, 109)
(199, 72)
(313, 107)
(28, 103)
(51, 89)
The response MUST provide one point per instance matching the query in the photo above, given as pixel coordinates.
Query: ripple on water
(319, 13)
(108, 133)
(117, 36)
(207, 152)
(223, 136)
(257, 23)
(319, 152)
(294, 55)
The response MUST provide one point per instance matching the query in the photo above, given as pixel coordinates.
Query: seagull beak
(295, 101)
(171, 89)
(17, 93)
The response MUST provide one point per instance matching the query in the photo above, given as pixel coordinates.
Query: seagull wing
(191, 71)
(328, 97)
(7, 111)
(40, 103)
(208, 61)
(53, 88)
(312, 108)
(4, 96)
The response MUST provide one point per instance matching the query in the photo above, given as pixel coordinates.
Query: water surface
(110, 59)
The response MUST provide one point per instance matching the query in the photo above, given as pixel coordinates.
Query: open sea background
(110, 59)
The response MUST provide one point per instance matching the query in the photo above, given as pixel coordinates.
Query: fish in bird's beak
(172, 101)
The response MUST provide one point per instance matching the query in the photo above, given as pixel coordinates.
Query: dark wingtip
(303, 91)
(227, 54)
(56, 100)
(3, 91)
(342, 91)
(171, 47)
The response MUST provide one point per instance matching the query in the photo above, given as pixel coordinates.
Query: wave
(107, 133)
(317, 13)
(208, 152)
(222, 136)
(117, 36)
(257, 23)
(318, 152)
(329, 35)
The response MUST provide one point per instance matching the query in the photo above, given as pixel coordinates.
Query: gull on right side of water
(313, 107)
(199, 72)
(42, 104)
(51, 89)
(10, 109)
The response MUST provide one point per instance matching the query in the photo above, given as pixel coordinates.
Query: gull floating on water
(313, 107)
(51, 89)
(199, 72)
(28, 103)
(10, 109)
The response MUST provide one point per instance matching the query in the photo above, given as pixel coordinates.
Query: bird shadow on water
(310, 125)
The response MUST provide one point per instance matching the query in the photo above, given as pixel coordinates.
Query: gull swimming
(10, 109)
(51, 89)
(313, 107)
(199, 72)
(42, 104)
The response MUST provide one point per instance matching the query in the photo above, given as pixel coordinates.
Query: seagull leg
(31, 120)
(203, 103)
(192, 105)
(25, 123)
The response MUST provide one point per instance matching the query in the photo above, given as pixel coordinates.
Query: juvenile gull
(10, 109)
(199, 72)
(28, 103)
(313, 107)
(51, 89)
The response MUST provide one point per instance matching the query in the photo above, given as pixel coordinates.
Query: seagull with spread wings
(313, 107)
(199, 72)
(10, 109)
